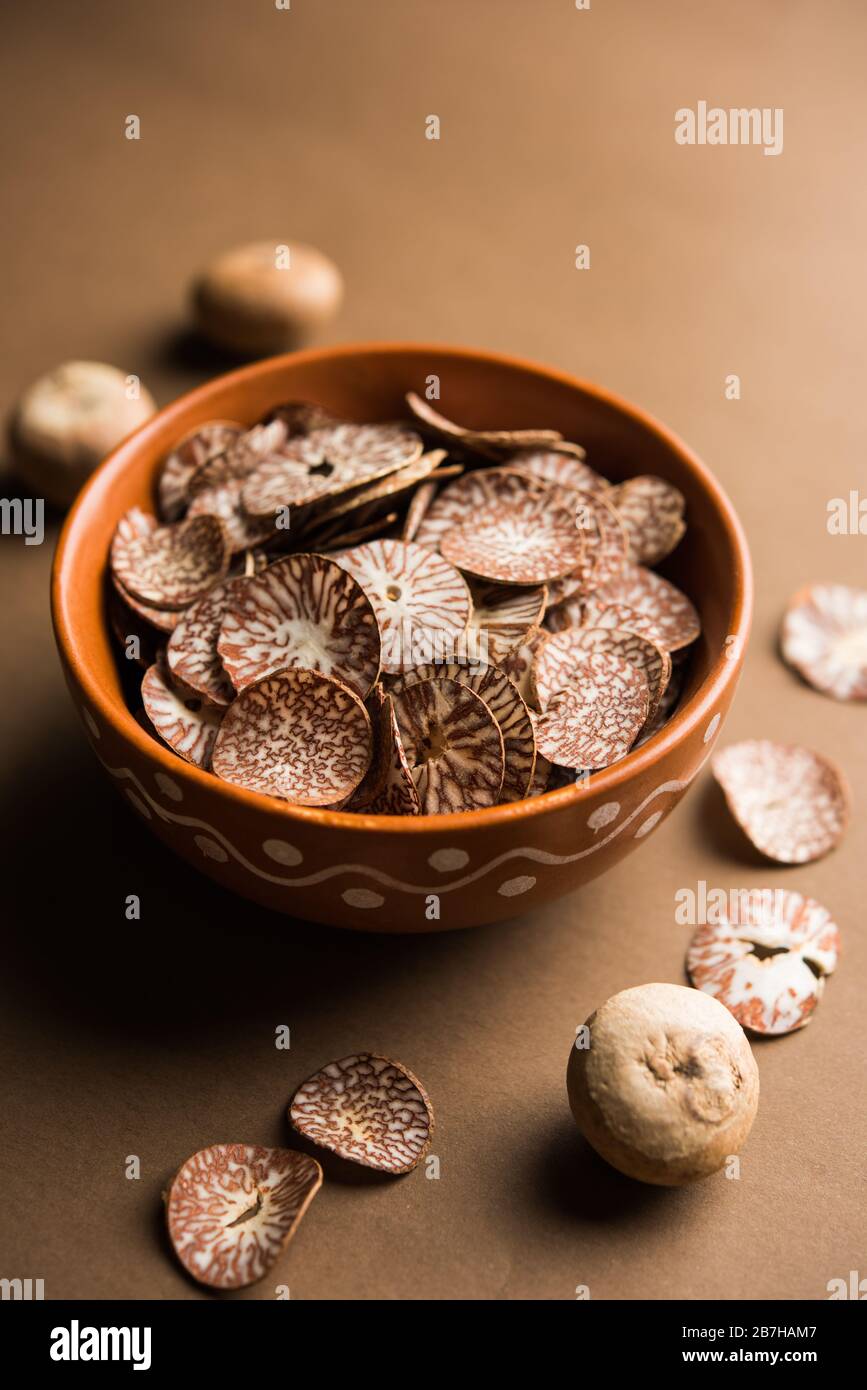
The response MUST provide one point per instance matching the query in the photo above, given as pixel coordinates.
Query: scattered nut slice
(453, 746)
(824, 637)
(596, 721)
(667, 615)
(421, 602)
(191, 653)
(233, 1208)
(652, 510)
(304, 611)
(181, 719)
(668, 1088)
(298, 735)
(527, 542)
(366, 1109)
(769, 969)
(559, 660)
(790, 802)
(186, 457)
(171, 566)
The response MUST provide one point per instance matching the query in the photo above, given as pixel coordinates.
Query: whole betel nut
(263, 298)
(666, 1087)
(68, 420)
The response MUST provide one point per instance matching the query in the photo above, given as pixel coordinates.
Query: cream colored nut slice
(518, 666)
(471, 494)
(790, 802)
(605, 549)
(502, 617)
(768, 968)
(652, 510)
(171, 566)
(368, 1110)
(824, 638)
(667, 706)
(232, 1209)
(527, 542)
(556, 467)
(668, 1088)
(183, 720)
(266, 296)
(326, 462)
(560, 659)
(188, 455)
(133, 524)
(304, 611)
(298, 735)
(421, 602)
(69, 420)
(453, 746)
(597, 719)
(668, 617)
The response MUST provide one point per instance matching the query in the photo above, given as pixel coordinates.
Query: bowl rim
(116, 714)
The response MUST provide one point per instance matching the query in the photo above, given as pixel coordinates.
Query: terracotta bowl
(376, 873)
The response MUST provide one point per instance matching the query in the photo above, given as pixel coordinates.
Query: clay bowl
(375, 873)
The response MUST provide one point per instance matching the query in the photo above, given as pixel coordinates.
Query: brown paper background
(557, 128)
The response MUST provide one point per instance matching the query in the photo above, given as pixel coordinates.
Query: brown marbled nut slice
(387, 788)
(303, 417)
(136, 637)
(501, 696)
(541, 776)
(190, 452)
(326, 462)
(191, 653)
(502, 617)
(132, 524)
(605, 548)
(559, 660)
(418, 509)
(368, 1110)
(471, 494)
(553, 466)
(171, 566)
(241, 457)
(595, 722)
(343, 540)
(824, 638)
(482, 439)
(298, 735)
(182, 720)
(304, 611)
(422, 603)
(790, 802)
(232, 1209)
(453, 746)
(652, 510)
(667, 705)
(518, 666)
(525, 542)
(667, 615)
(354, 503)
(769, 966)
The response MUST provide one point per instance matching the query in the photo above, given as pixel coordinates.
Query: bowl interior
(368, 384)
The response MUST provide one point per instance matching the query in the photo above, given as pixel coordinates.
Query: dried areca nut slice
(559, 660)
(388, 788)
(595, 722)
(527, 542)
(768, 966)
(241, 457)
(368, 1110)
(421, 602)
(503, 616)
(384, 489)
(418, 509)
(302, 417)
(326, 462)
(542, 769)
(163, 619)
(556, 467)
(605, 548)
(298, 735)
(486, 439)
(790, 802)
(824, 637)
(667, 615)
(453, 746)
(342, 539)
(304, 611)
(667, 705)
(232, 1209)
(223, 500)
(133, 634)
(182, 720)
(471, 493)
(191, 654)
(189, 454)
(652, 510)
(172, 566)
(501, 696)
(518, 666)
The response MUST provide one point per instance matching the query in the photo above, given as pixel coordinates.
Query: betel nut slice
(190, 452)
(232, 1209)
(421, 602)
(790, 802)
(660, 611)
(191, 652)
(298, 735)
(471, 494)
(183, 720)
(303, 611)
(387, 788)
(171, 566)
(328, 461)
(368, 1110)
(487, 441)
(527, 541)
(558, 660)
(824, 638)
(502, 617)
(769, 967)
(597, 719)
(453, 746)
(651, 510)
(502, 698)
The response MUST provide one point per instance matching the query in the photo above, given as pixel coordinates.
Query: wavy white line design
(539, 856)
